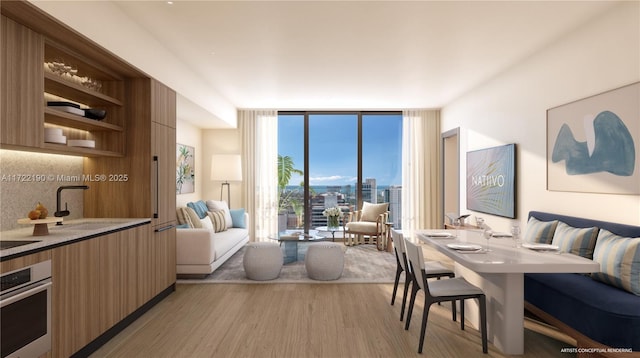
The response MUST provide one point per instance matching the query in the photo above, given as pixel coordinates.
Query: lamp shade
(226, 167)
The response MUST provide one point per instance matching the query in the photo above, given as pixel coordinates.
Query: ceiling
(223, 55)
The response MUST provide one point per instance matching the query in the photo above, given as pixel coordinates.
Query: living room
(595, 52)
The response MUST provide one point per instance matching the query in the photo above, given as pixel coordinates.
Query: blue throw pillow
(237, 217)
(200, 207)
(540, 232)
(183, 226)
(619, 259)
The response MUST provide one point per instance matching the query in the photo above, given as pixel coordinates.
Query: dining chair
(433, 269)
(439, 291)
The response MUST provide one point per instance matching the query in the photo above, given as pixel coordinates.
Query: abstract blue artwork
(593, 143)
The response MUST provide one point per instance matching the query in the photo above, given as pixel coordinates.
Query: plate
(86, 143)
(499, 235)
(464, 247)
(540, 246)
(440, 234)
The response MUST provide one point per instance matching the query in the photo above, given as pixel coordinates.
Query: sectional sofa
(601, 311)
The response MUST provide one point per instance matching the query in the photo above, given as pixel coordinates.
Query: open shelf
(60, 118)
(58, 86)
(80, 151)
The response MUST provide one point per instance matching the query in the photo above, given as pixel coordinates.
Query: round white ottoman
(262, 261)
(324, 261)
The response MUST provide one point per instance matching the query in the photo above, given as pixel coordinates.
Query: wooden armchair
(368, 223)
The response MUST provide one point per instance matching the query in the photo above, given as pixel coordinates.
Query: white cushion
(362, 227)
(370, 212)
(215, 205)
(206, 223)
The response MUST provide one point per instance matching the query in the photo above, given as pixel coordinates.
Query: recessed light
(170, 2)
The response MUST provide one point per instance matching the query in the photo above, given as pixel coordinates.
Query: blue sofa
(596, 314)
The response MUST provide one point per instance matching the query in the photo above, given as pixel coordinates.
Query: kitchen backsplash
(28, 178)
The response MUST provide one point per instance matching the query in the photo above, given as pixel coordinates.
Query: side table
(389, 245)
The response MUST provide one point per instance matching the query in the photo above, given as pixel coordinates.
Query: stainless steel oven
(25, 311)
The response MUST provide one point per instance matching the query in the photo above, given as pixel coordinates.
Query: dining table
(499, 272)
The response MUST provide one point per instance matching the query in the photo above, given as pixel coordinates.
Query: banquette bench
(603, 317)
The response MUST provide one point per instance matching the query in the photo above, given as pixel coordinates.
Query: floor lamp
(225, 168)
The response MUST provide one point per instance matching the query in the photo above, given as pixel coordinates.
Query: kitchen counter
(70, 231)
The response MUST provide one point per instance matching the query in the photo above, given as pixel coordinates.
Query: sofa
(208, 234)
(601, 310)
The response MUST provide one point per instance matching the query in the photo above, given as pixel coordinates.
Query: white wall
(221, 141)
(601, 55)
(188, 134)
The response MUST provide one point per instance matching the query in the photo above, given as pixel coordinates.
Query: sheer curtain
(259, 129)
(421, 199)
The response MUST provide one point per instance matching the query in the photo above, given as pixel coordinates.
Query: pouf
(324, 261)
(262, 261)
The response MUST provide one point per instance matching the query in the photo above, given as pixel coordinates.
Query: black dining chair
(455, 289)
(433, 269)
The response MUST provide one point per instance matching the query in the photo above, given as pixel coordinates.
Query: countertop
(70, 231)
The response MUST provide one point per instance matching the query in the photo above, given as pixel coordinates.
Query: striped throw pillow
(575, 241)
(540, 232)
(619, 259)
(218, 220)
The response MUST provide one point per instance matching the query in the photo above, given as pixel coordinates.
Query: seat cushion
(225, 240)
(601, 312)
(363, 227)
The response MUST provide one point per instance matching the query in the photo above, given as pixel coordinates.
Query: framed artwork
(185, 169)
(593, 143)
(491, 180)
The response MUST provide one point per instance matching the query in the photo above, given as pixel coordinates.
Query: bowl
(93, 113)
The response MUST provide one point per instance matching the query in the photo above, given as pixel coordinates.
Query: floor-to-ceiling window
(337, 159)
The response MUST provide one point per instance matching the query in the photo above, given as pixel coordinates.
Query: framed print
(592, 143)
(491, 180)
(185, 170)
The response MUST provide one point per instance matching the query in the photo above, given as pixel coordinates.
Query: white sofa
(201, 250)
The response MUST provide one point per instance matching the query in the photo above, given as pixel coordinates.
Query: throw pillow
(540, 232)
(237, 218)
(575, 241)
(206, 223)
(180, 216)
(218, 220)
(214, 205)
(191, 218)
(199, 207)
(619, 259)
(183, 226)
(370, 212)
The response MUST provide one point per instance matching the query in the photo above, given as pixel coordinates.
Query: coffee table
(289, 240)
(332, 230)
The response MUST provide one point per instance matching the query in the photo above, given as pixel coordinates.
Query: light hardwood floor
(299, 320)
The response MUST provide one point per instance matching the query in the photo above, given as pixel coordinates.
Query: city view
(333, 165)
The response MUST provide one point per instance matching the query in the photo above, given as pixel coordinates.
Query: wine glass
(456, 225)
(515, 232)
(487, 233)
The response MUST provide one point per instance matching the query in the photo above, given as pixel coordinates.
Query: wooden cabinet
(97, 283)
(76, 296)
(21, 87)
(29, 82)
(24, 261)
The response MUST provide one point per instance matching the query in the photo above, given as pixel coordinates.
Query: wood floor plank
(299, 320)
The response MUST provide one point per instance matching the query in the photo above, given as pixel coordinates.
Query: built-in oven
(25, 311)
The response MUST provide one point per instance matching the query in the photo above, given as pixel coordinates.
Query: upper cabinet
(44, 61)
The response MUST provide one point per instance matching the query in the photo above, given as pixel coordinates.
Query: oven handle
(43, 285)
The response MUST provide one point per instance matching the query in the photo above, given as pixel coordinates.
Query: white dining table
(500, 274)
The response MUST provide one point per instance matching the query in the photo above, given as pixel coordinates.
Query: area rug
(362, 264)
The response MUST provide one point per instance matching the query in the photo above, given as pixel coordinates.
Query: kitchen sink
(7, 244)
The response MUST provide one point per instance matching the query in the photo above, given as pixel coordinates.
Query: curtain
(421, 177)
(259, 129)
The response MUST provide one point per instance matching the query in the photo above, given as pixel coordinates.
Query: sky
(333, 147)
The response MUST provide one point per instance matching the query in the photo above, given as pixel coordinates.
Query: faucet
(65, 212)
